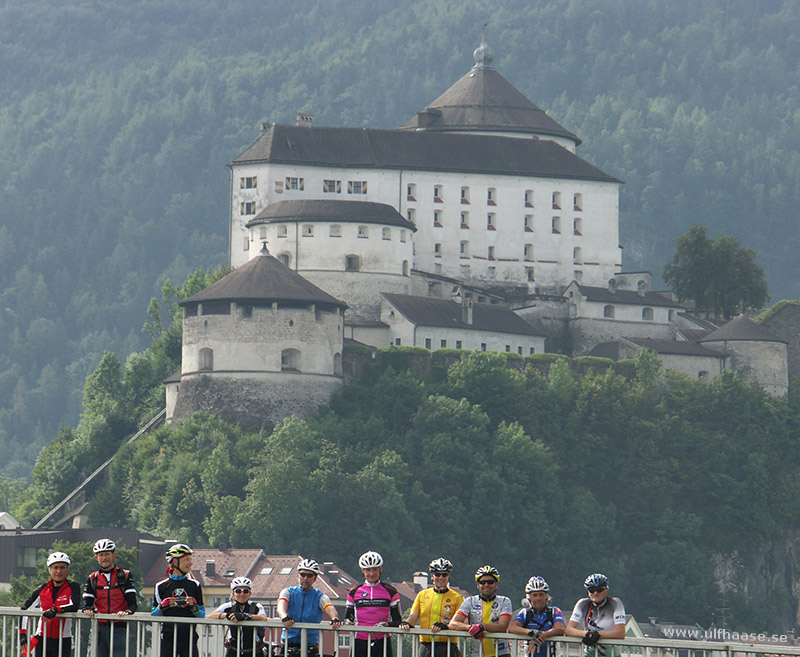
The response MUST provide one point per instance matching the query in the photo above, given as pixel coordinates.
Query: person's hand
(287, 621)
(168, 602)
(124, 612)
(476, 630)
(405, 626)
(89, 611)
(190, 601)
(536, 637)
(591, 637)
(50, 613)
(336, 623)
(438, 626)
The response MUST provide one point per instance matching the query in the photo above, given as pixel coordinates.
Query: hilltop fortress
(475, 225)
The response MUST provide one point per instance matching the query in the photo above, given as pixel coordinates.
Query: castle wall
(551, 259)
(763, 362)
(586, 332)
(704, 368)
(785, 324)
(319, 252)
(254, 399)
(255, 343)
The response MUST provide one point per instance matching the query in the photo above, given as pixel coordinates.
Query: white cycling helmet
(58, 557)
(241, 582)
(104, 545)
(536, 583)
(309, 564)
(370, 560)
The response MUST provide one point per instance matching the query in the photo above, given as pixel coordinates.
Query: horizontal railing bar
(728, 648)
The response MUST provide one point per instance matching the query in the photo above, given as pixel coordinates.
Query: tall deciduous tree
(721, 276)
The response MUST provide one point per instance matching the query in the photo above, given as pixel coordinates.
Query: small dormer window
(229, 573)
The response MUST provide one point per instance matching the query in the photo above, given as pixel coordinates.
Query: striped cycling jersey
(370, 604)
(478, 610)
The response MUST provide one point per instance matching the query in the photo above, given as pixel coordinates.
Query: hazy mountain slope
(117, 119)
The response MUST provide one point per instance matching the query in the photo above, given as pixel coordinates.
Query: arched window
(206, 359)
(608, 311)
(285, 258)
(290, 360)
(647, 313)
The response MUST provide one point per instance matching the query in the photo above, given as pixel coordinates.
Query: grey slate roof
(265, 279)
(626, 297)
(331, 210)
(427, 311)
(741, 328)
(675, 347)
(367, 148)
(484, 100)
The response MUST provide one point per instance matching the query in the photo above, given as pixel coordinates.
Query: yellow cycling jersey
(434, 607)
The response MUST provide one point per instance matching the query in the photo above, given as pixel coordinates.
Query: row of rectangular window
(443, 345)
(360, 187)
(335, 230)
(527, 252)
(491, 197)
(491, 222)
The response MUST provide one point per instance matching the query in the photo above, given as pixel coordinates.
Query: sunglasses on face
(597, 589)
(307, 575)
(486, 582)
(241, 590)
(441, 574)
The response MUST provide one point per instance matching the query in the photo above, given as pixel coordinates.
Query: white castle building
(473, 226)
(492, 185)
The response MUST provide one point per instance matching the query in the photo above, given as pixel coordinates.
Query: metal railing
(139, 635)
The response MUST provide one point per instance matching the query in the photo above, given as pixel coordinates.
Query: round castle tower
(260, 344)
(353, 249)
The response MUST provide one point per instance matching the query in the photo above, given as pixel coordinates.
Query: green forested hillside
(117, 118)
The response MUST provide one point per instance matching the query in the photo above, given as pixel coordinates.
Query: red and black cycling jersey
(63, 598)
(110, 591)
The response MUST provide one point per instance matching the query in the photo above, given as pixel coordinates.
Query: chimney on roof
(304, 118)
(211, 568)
(420, 581)
(612, 285)
(466, 311)
(652, 620)
(265, 125)
(330, 572)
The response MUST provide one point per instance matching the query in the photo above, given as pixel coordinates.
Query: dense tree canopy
(720, 276)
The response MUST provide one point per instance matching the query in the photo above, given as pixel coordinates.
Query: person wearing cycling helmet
(540, 620)
(178, 595)
(598, 616)
(434, 608)
(242, 640)
(485, 612)
(373, 603)
(109, 590)
(304, 604)
(53, 635)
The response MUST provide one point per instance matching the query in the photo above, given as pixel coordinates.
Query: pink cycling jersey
(372, 604)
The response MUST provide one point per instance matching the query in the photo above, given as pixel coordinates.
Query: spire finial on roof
(483, 55)
(264, 249)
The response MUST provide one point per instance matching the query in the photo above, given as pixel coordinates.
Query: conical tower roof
(265, 279)
(741, 328)
(483, 100)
